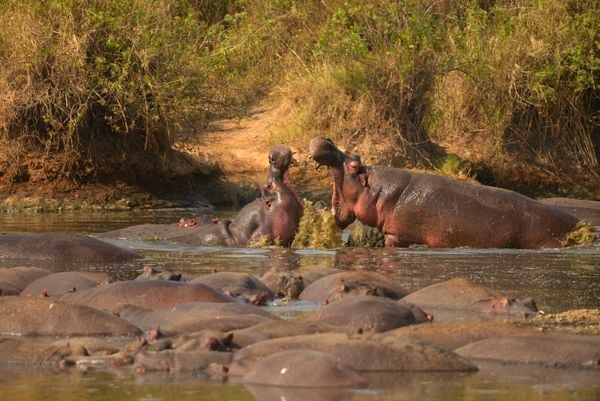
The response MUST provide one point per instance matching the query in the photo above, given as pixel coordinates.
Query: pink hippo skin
(414, 208)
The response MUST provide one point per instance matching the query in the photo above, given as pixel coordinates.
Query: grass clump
(583, 234)
(362, 235)
(265, 241)
(317, 229)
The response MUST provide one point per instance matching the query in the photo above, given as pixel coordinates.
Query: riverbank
(225, 164)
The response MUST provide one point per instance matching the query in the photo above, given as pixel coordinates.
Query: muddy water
(557, 279)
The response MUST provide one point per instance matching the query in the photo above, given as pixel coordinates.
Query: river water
(557, 279)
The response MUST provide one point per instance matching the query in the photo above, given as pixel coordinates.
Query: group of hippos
(215, 324)
(361, 321)
(407, 208)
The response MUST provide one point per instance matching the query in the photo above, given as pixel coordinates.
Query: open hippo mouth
(323, 151)
(280, 160)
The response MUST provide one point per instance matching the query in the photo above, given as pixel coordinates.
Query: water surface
(557, 279)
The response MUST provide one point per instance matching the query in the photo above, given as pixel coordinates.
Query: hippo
(28, 316)
(283, 284)
(281, 328)
(371, 314)
(62, 249)
(425, 209)
(274, 216)
(13, 280)
(452, 335)
(239, 285)
(362, 353)
(339, 285)
(194, 316)
(57, 284)
(461, 299)
(303, 368)
(548, 349)
(17, 350)
(145, 294)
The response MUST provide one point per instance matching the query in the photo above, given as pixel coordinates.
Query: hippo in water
(274, 216)
(61, 249)
(415, 208)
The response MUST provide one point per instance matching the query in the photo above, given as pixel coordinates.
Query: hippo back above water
(415, 208)
(62, 249)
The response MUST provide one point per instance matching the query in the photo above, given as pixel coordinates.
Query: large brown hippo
(461, 299)
(50, 317)
(194, 316)
(303, 368)
(14, 280)
(415, 208)
(362, 353)
(340, 285)
(274, 216)
(57, 284)
(61, 249)
(145, 294)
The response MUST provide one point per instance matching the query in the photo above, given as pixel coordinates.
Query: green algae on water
(583, 234)
(317, 228)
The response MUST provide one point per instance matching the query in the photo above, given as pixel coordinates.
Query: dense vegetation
(506, 88)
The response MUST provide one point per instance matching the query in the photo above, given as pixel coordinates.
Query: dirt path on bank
(237, 150)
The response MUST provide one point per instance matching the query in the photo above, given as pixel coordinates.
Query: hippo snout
(324, 151)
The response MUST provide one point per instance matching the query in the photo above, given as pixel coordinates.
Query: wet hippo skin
(414, 208)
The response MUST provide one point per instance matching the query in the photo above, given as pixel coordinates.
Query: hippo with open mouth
(415, 208)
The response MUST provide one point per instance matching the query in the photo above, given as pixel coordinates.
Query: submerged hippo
(414, 208)
(25, 316)
(13, 280)
(362, 353)
(62, 249)
(337, 286)
(303, 368)
(145, 294)
(57, 284)
(461, 299)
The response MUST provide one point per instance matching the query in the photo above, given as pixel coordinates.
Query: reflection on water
(557, 279)
(492, 383)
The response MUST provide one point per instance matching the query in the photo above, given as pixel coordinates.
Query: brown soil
(225, 164)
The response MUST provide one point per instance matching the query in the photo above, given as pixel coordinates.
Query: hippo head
(519, 307)
(323, 151)
(280, 160)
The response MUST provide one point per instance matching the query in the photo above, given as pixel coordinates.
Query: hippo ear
(228, 340)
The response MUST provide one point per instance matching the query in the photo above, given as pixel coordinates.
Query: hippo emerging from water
(274, 216)
(413, 208)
